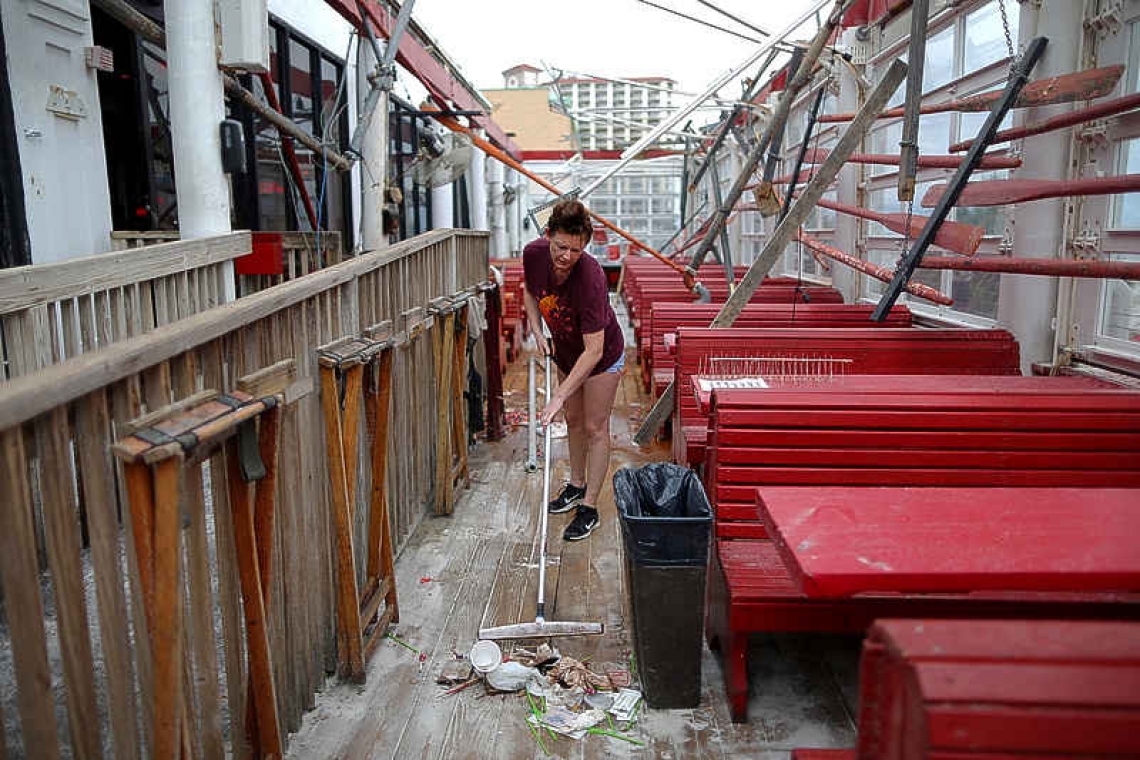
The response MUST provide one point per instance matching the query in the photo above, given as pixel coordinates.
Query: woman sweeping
(569, 291)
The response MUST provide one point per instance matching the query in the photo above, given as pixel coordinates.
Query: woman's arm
(534, 319)
(595, 345)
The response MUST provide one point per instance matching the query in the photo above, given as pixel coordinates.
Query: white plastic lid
(485, 656)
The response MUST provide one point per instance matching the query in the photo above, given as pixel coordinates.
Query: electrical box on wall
(245, 35)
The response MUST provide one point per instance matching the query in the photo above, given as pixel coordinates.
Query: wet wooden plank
(19, 580)
(199, 619)
(93, 431)
(61, 528)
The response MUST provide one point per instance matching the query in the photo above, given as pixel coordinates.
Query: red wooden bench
(917, 431)
(1085, 437)
(870, 351)
(514, 316)
(654, 292)
(1010, 688)
(662, 321)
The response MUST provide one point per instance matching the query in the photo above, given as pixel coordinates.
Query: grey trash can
(665, 524)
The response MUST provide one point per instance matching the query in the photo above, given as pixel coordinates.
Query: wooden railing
(57, 425)
(52, 312)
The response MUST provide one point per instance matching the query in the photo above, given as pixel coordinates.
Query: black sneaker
(566, 500)
(582, 525)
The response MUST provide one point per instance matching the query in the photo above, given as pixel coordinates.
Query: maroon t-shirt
(578, 306)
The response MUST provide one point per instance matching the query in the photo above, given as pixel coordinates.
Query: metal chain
(1008, 36)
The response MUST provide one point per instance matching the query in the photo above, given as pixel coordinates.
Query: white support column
(498, 210)
(374, 156)
(477, 190)
(197, 109)
(442, 207)
(1026, 305)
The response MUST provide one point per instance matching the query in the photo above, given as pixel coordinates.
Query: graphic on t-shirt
(557, 313)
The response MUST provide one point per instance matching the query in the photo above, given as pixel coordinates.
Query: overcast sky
(613, 38)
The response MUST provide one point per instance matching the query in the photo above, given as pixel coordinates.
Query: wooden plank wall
(49, 313)
(83, 677)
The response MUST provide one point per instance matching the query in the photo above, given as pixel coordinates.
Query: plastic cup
(485, 656)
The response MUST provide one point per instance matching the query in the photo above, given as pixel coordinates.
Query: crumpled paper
(570, 673)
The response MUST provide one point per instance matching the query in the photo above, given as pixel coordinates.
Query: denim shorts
(617, 366)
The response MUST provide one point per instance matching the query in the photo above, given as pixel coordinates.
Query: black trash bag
(665, 514)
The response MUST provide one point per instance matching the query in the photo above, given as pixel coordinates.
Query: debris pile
(564, 696)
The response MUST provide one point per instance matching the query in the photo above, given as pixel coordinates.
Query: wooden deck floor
(478, 568)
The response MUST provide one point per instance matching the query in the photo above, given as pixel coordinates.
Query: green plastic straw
(404, 644)
(538, 716)
(616, 735)
(537, 737)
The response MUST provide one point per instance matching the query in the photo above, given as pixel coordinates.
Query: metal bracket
(249, 452)
(1094, 132)
(1108, 20)
(1086, 245)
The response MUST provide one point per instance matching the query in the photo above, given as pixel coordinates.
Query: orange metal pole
(505, 158)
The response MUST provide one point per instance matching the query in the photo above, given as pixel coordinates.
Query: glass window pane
(985, 37)
(933, 134)
(975, 293)
(1126, 211)
(938, 63)
(301, 84)
(1121, 316)
(992, 218)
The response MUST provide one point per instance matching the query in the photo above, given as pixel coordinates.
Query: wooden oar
(1078, 116)
(926, 162)
(1067, 88)
(958, 237)
(1000, 192)
(873, 270)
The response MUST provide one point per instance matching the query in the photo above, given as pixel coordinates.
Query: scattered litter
(554, 695)
(402, 643)
(600, 700)
(626, 704)
(619, 676)
(569, 723)
(460, 687)
(616, 735)
(544, 655)
(453, 672)
(570, 672)
(426, 579)
(510, 676)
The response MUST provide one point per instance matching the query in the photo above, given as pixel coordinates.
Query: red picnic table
(846, 540)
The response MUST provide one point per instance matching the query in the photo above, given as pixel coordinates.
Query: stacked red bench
(870, 351)
(940, 688)
(996, 688)
(514, 313)
(662, 321)
(772, 290)
(1031, 432)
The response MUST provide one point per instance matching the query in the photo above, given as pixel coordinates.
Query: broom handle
(540, 614)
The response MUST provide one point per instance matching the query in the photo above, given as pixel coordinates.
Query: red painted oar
(958, 237)
(926, 162)
(999, 192)
(874, 270)
(1067, 88)
(1079, 116)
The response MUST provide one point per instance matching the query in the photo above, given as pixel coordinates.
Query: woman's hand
(552, 408)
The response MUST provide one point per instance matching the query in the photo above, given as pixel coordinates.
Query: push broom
(541, 628)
